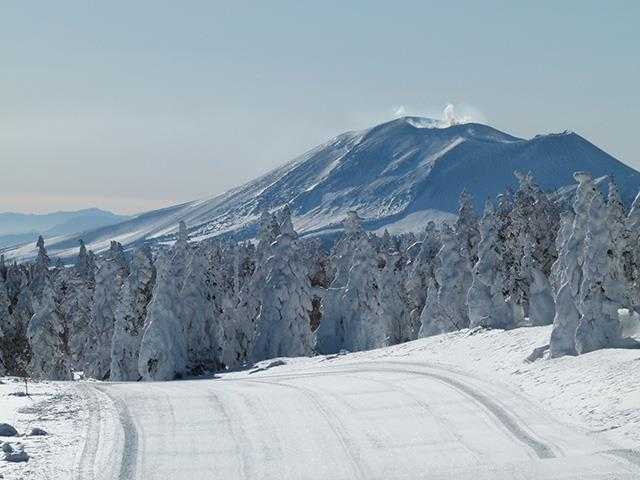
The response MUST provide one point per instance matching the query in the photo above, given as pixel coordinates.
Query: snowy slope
(409, 166)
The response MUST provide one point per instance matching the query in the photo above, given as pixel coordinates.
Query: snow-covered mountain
(20, 228)
(397, 175)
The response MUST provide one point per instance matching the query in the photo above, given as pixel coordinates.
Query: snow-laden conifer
(422, 275)
(130, 316)
(39, 274)
(5, 325)
(601, 293)
(46, 334)
(79, 305)
(571, 258)
(487, 305)
(540, 294)
(163, 350)
(532, 216)
(446, 309)
(282, 324)
(467, 228)
(199, 321)
(112, 270)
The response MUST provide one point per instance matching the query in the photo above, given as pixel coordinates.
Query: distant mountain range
(20, 228)
(397, 175)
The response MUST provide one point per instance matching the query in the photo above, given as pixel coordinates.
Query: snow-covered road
(338, 419)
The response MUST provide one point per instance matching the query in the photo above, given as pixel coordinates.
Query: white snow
(458, 405)
(58, 408)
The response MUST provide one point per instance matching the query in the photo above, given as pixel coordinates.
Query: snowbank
(54, 407)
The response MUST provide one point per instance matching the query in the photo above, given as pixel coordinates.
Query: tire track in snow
(130, 445)
(541, 449)
(337, 427)
(475, 454)
(507, 420)
(90, 449)
(631, 456)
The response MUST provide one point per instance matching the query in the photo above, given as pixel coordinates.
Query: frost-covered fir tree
(601, 293)
(283, 326)
(14, 342)
(331, 335)
(487, 305)
(570, 262)
(534, 216)
(540, 294)
(130, 316)
(199, 322)
(39, 272)
(268, 230)
(85, 265)
(47, 338)
(363, 323)
(5, 324)
(3, 267)
(466, 228)
(445, 309)
(112, 270)
(631, 253)
(422, 275)
(615, 221)
(392, 263)
(78, 306)
(564, 232)
(163, 350)
(236, 303)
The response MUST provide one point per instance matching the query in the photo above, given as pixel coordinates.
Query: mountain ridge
(409, 167)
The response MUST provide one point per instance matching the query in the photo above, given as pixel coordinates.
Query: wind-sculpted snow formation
(202, 306)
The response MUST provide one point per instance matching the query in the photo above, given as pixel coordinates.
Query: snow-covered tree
(571, 258)
(3, 268)
(392, 266)
(130, 316)
(268, 230)
(163, 350)
(602, 291)
(14, 342)
(283, 326)
(79, 304)
(39, 272)
(466, 228)
(112, 270)
(201, 327)
(445, 309)
(422, 275)
(363, 323)
(532, 216)
(235, 302)
(487, 305)
(564, 232)
(353, 317)
(5, 324)
(540, 295)
(47, 338)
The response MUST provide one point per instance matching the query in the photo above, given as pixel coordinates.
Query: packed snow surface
(462, 405)
(399, 174)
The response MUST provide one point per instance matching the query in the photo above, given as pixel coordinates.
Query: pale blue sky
(136, 105)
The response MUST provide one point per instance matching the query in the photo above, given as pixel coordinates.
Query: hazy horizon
(135, 107)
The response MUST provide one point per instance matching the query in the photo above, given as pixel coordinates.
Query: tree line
(214, 305)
